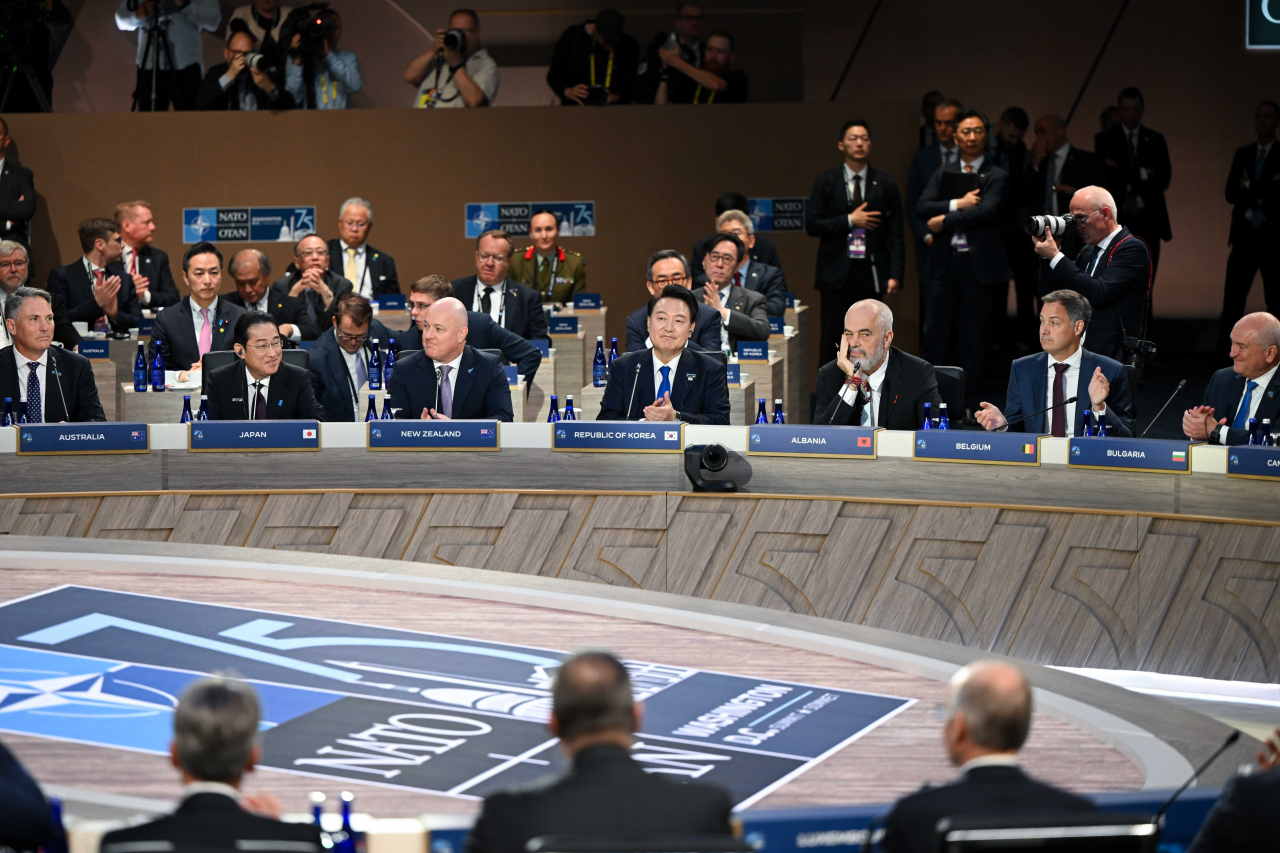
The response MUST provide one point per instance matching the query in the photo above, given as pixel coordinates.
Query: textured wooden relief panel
(217, 519)
(621, 542)
(47, 516)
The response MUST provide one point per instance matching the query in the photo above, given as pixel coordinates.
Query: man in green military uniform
(552, 270)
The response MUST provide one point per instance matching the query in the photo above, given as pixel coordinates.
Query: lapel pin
(689, 377)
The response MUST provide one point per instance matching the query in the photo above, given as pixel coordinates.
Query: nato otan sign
(1262, 24)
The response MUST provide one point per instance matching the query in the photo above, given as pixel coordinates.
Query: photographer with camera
(168, 40)
(594, 64)
(456, 72)
(263, 19)
(318, 74)
(244, 81)
(1112, 271)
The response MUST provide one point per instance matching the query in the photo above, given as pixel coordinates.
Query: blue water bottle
(58, 843)
(569, 414)
(387, 414)
(1088, 423)
(778, 417)
(186, 410)
(613, 353)
(554, 415)
(345, 841)
(140, 370)
(943, 421)
(761, 416)
(1253, 431)
(928, 416)
(203, 414)
(1102, 424)
(22, 413)
(599, 367)
(1265, 438)
(317, 808)
(8, 412)
(157, 371)
(375, 367)
(389, 363)
(372, 413)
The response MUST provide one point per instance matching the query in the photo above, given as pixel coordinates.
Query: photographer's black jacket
(212, 96)
(571, 65)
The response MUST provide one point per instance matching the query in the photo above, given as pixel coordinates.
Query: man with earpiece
(259, 385)
(47, 383)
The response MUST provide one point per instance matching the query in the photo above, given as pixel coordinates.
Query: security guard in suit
(552, 270)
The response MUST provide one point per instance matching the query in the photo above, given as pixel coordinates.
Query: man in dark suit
(942, 151)
(1250, 388)
(25, 819)
(93, 290)
(17, 194)
(1253, 190)
(372, 272)
(1064, 370)
(1138, 172)
(1112, 271)
(669, 381)
(145, 264)
(482, 332)
(260, 386)
(856, 212)
(312, 281)
(988, 719)
(509, 303)
(1057, 170)
(743, 316)
(667, 266)
(1008, 151)
(215, 743)
(233, 85)
(764, 279)
(763, 251)
(471, 385)
(967, 260)
(894, 386)
(1245, 816)
(201, 322)
(606, 792)
(251, 274)
(49, 383)
(340, 358)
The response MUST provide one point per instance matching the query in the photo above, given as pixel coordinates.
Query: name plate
(390, 302)
(1253, 461)
(60, 439)
(587, 302)
(797, 440)
(733, 374)
(96, 350)
(252, 436)
(563, 326)
(1131, 454)
(432, 435)
(775, 325)
(753, 350)
(791, 300)
(618, 437)
(544, 347)
(145, 325)
(991, 448)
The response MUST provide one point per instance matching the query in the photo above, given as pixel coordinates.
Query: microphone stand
(857, 365)
(635, 383)
(1231, 739)
(1181, 385)
(1008, 424)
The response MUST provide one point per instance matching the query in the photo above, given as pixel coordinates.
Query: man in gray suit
(743, 315)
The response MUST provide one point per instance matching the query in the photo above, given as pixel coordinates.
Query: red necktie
(1059, 410)
(968, 167)
(737, 279)
(133, 262)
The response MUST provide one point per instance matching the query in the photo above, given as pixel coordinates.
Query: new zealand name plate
(1131, 454)
(432, 435)
(797, 440)
(996, 448)
(1254, 461)
(240, 436)
(49, 439)
(618, 436)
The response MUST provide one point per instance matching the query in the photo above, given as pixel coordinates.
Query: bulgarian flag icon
(1179, 456)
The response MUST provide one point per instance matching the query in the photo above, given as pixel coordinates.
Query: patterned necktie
(100, 324)
(446, 392)
(33, 395)
(866, 419)
(350, 271)
(1059, 394)
(206, 332)
(486, 301)
(260, 403)
(1242, 416)
(664, 387)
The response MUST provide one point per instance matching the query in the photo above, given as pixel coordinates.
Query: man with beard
(872, 382)
(716, 82)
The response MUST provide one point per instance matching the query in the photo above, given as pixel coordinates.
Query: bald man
(988, 719)
(449, 379)
(1249, 388)
(1112, 271)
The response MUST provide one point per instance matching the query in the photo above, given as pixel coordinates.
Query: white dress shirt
(197, 321)
(1258, 393)
(495, 299)
(453, 377)
(999, 759)
(23, 373)
(1059, 157)
(1070, 380)
(253, 392)
(674, 364)
(128, 260)
(875, 382)
(362, 283)
(1094, 259)
(848, 180)
(353, 359)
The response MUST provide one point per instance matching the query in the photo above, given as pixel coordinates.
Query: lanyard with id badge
(857, 236)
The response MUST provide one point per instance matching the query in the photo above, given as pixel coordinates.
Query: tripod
(37, 90)
(157, 31)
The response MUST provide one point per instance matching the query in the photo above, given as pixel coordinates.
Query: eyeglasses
(277, 344)
(972, 131)
(314, 253)
(675, 279)
(355, 223)
(722, 259)
(485, 257)
(13, 265)
(420, 306)
(351, 339)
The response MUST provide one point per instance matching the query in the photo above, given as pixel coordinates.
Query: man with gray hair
(373, 272)
(46, 384)
(871, 382)
(15, 266)
(1112, 271)
(215, 743)
(667, 266)
(752, 274)
(605, 792)
(250, 272)
(988, 718)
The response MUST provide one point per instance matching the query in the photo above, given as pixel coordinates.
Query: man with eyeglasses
(14, 267)
(340, 358)
(667, 266)
(260, 386)
(743, 315)
(372, 272)
(450, 79)
(490, 291)
(311, 280)
(685, 39)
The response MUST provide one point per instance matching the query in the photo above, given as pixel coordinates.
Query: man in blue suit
(471, 385)
(1065, 369)
(340, 358)
(1249, 388)
(667, 266)
(668, 381)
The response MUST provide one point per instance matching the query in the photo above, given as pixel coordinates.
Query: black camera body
(315, 23)
(1057, 225)
(456, 40)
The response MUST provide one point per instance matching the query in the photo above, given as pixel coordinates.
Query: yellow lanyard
(324, 89)
(698, 92)
(608, 71)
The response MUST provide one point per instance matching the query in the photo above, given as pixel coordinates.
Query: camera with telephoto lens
(455, 40)
(315, 24)
(1057, 225)
(260, 62)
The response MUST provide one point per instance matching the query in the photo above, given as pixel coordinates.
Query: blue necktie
(665, 386)
(1242, 416)
(33, 395)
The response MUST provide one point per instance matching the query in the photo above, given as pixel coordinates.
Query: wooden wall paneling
(150, 517)
(870, 557)
(293, 522)
(1186, 609)
(621, 543)
(1054, 525)
(10, 509)
(217, 519)
(460, 529)
(55, 516)
(378, 525)
(546, 553)
(703, 525)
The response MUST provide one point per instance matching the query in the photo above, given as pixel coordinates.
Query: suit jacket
(1153, 155)
(763, 279)
(285, 309)
(1261, 194)
(483, 333)
(175, 334)
(521, 307)
(1117, 290)
(153, 264)
(480, 390)
(312, 304)
(1080, 169)
(1029, 388)
(289, 396)
(212, 96)
(909, 383)
(706, 329)
(923, 165)
(330, 378)
(1245, 816)
(765, 251)
(980, 223)
(605, 792)
(827, 218)
(699, 389)
(991, 790)
(1225, 393)
(748, 319)
(17, 201)
(70, 394)
(25, 822)
(71, 290)
(379, 268)
(212, 821)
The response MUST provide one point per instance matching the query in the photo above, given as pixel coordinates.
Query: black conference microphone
(1181, 385)
(857, 365)
(1227, 744)
(635, 383)
(1041, 412)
